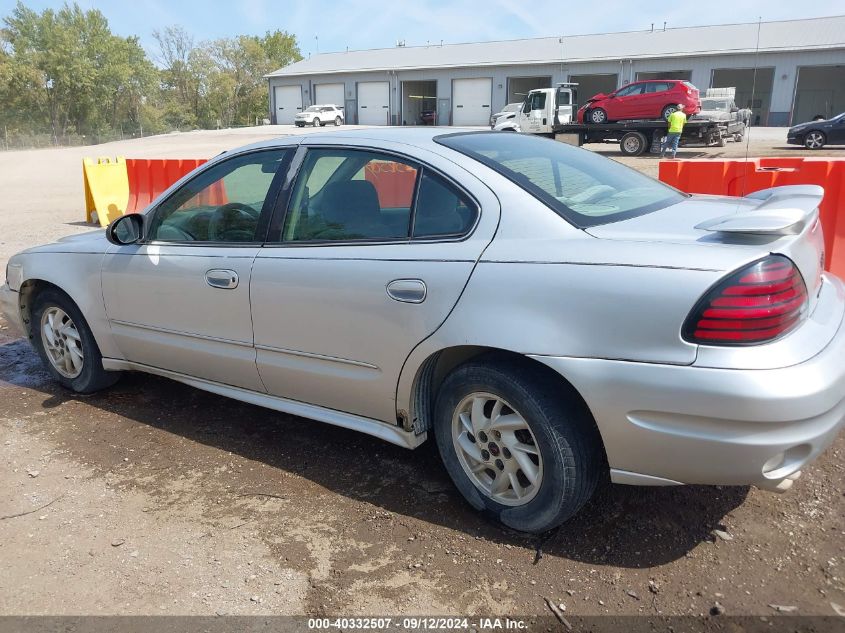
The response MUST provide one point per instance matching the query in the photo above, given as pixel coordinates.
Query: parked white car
(318, 115)
(549, 316)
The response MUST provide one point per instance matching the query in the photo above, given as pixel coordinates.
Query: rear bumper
(10, 306)
(664, 424)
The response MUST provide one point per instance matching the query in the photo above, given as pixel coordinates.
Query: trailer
(638, 137)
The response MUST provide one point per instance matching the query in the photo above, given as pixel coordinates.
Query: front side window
(583, 187)
(221, 204)
(351, 195)
(538, 101)
(628, 91)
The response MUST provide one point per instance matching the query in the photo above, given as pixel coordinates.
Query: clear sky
(334, 25)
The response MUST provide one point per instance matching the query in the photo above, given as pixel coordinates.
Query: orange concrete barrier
(741, 177)
(150, 177)
(394, 183)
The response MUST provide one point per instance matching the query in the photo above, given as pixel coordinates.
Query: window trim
(264, 217)
(274, 237)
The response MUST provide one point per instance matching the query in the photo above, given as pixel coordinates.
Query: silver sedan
(549, 316)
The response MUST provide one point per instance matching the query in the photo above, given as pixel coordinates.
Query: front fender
(78, 276)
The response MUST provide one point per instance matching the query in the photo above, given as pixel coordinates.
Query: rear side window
(658, 87)
(345, 195)
(441, 209)
(583, 187)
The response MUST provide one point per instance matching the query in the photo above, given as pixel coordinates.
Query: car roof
(415, 136)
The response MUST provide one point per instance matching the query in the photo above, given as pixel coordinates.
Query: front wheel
(316, 122)
(518, 445)
(64, 342)
(814, 140)
(598, 116)
(337, 121)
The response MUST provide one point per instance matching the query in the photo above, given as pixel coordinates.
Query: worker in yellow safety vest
(677, 120)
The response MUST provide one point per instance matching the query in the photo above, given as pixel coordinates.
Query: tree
(68, 66)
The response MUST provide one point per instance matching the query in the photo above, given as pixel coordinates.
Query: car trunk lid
(782, 220)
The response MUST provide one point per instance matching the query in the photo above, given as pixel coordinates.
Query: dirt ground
(156, 498)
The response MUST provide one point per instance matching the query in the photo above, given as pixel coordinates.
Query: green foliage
(64, 73)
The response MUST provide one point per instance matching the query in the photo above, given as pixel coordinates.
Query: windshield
(313, 109)
(713, 104)
(583, 187)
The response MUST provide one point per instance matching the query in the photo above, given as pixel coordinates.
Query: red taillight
(754, 305)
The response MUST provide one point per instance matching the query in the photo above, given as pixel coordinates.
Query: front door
(180, 299)
(626, 103)
(371, 258)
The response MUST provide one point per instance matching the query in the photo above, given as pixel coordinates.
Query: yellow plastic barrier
(106, 189)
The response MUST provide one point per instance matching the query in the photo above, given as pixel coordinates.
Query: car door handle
(222, 278)
(407, 290)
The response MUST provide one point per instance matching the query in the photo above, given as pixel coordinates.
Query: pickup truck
(718, 105)
(551, 112)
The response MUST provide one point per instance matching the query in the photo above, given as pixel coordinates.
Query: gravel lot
(156, 498)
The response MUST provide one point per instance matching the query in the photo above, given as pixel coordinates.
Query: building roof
(786, 35)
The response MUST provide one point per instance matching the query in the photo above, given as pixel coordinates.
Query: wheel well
(30, 289)
(436, 367)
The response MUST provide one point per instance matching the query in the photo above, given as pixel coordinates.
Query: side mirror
(526, 107)
(734, 109)
(127, 229)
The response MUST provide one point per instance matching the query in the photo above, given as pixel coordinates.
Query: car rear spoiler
(783, 210)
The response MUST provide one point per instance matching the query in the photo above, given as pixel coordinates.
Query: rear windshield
(583, 187)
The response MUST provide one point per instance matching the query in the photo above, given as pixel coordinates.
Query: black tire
(633, 144)
(565, 433)
(92, 377)
(667, 110)
(814, 139)
(597, 116)
(316, 122)
(337, 121)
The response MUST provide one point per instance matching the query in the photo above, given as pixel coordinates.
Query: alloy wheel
(497, 449)
(62, 342)
(814, 140)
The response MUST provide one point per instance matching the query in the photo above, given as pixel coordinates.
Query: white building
(796, 71)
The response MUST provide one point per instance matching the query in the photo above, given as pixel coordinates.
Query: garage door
(373, 103)
(288, 103)
(329, 94)
(471, 101)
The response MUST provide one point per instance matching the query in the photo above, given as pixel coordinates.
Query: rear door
(654, 99)
(373, 253)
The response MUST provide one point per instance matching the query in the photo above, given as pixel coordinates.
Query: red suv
(641, 100)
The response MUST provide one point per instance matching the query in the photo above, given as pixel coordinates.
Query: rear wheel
(814, 140)
(669, 109)
(597, 116)
(633, 144)
(64, 342)
(516, 445)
